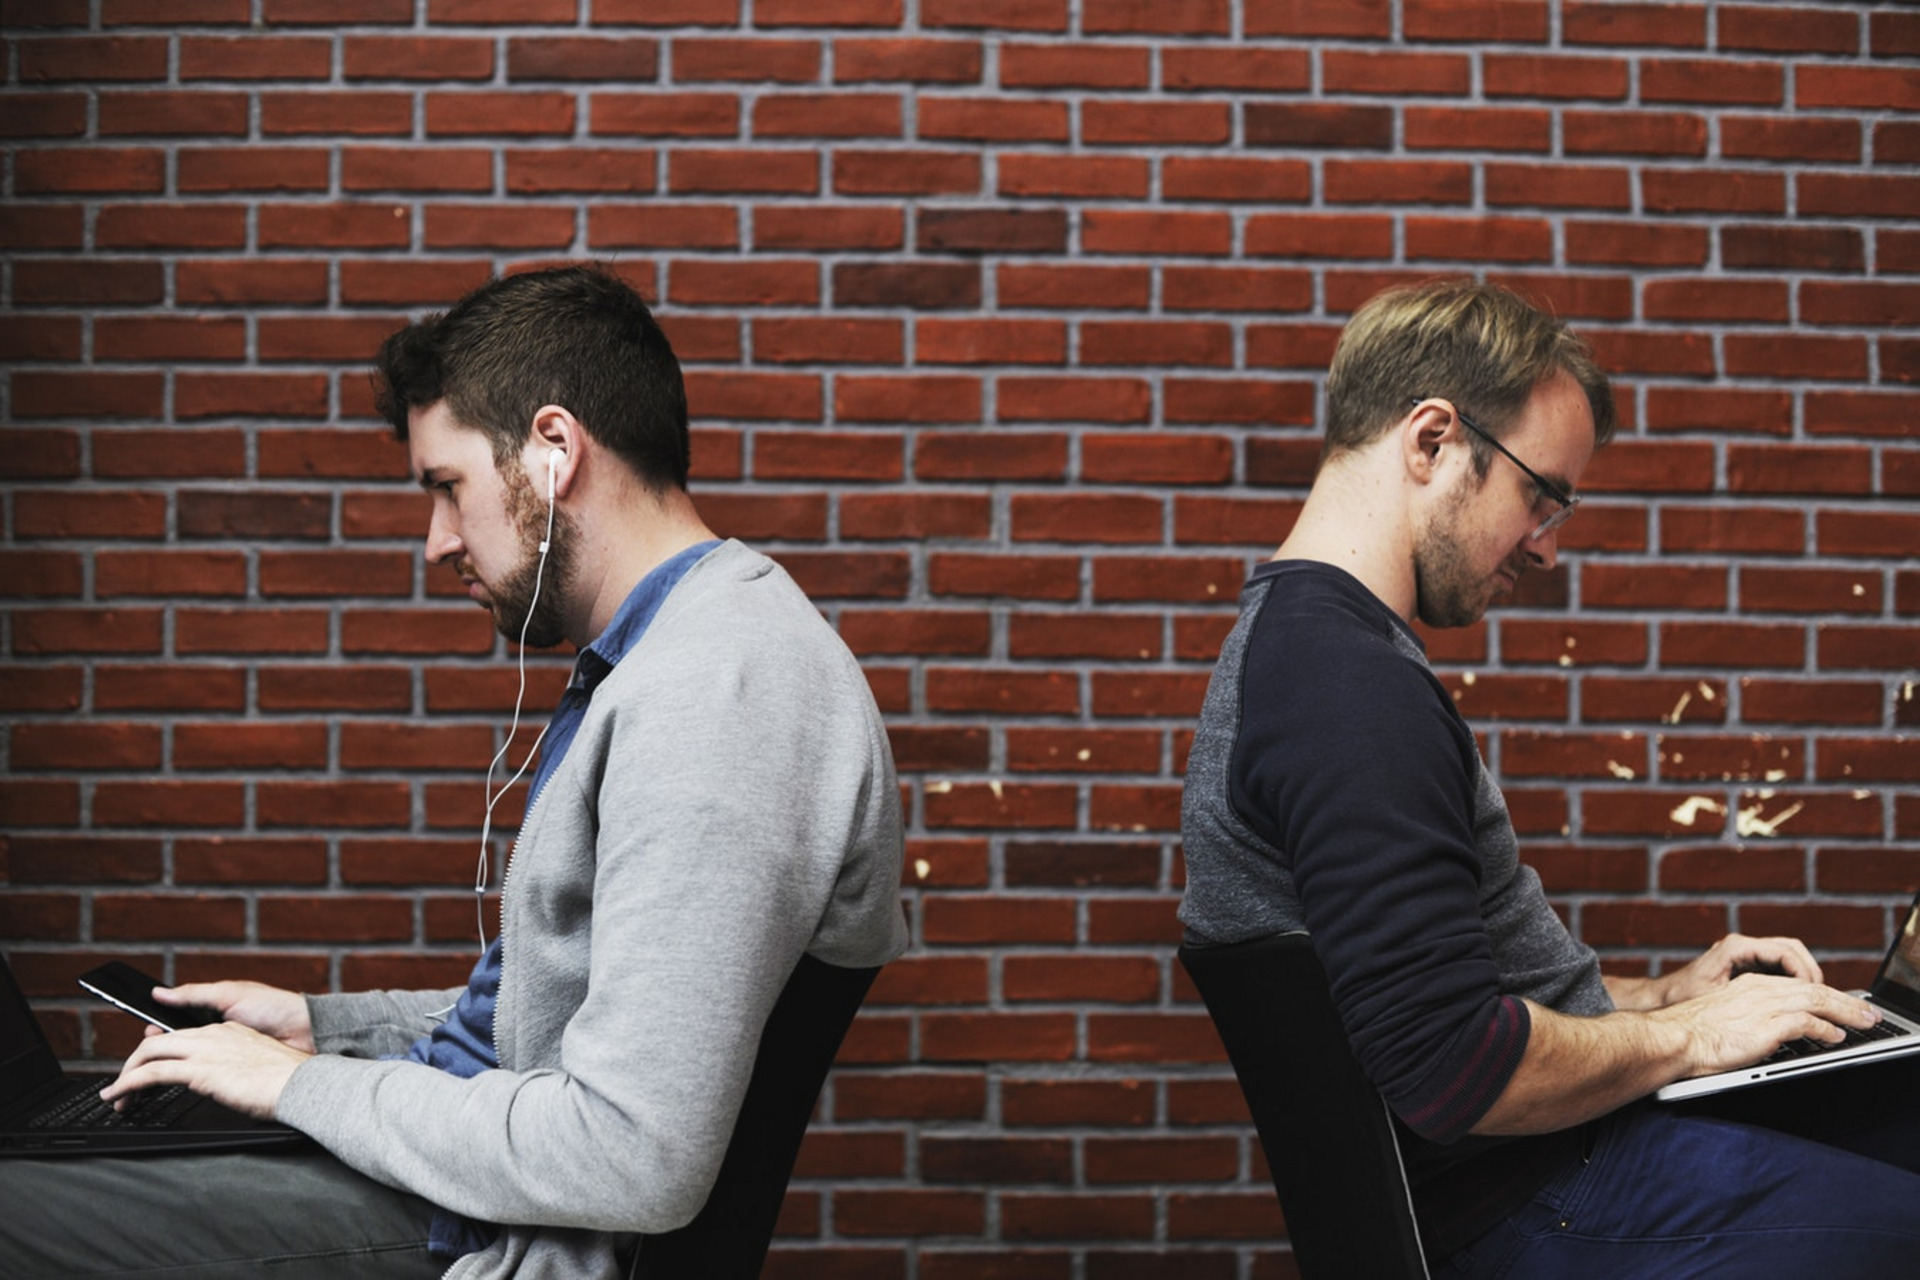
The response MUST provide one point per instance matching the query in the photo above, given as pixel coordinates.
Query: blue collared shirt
(463, 1044)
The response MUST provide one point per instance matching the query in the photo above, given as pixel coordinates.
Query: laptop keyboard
(1794, 1049)
(153, 1109)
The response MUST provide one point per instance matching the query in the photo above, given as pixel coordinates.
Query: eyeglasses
(1547, 488)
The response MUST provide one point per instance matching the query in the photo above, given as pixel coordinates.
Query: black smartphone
(127, 988)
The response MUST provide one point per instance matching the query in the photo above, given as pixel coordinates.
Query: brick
(669, 12)
(593, 59)
(1893, 34)
(1732, 644)
(1328, 125)
(827, 116)
(1774, 248)
(1152, 1037)
(1614, 23)
(1395, 74)
(968, 231)
(1157, 694)
(1857, 195)
(161, 114)
(1817, 702)
(1788, 29)
(1198, 124)
(710, 59)
(664, 115)
(1719, 81)
(169, 573)
(90, 58)
(1649, 586)
(40, 226)
(509, 114)
(1866, 534)
(1029, 456)
(1866, 648)
(45, 115)
(1086, 177)
(1236, 179)
(1714, 191)
(846, 227)
(906, 60)
(1816, 140)
(1355, 236)
(1798, 469)
(1032, 634)
(1499, 239)
(1860, 304)
(1396, 182)
(1072, 287)
(1634, 133)
(1687, 409)
(1809, 592)
(1156, 460)
(757, 172)
(993, 120)
(1231, 400)
(1476, 128)
(416, 58)
(95, 171)
(921, 286)
(223, 861)
(1025, 1216)
(1554, 77)
(1726, 530)
(1831, 87)
(1035, 66)
(1006, 15)
(1356, 19)
(252, 169)
(1245, 1217)
(874, 173)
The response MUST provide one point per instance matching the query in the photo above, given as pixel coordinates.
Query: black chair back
(728, 1239)
(1328, 1137)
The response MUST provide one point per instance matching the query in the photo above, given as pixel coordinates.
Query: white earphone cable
(480, 875)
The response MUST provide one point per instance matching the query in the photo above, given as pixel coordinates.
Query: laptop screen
(1899, 982)
(26, 1059)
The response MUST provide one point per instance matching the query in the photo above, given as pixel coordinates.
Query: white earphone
(555, 457)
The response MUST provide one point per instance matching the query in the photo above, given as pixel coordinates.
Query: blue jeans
(1817, 1178)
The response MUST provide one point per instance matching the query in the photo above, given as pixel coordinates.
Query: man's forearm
(1635, 993)
(1576, 1069)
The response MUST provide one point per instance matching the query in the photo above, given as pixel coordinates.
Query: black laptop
(44, 1112)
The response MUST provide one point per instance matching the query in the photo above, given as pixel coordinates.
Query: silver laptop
(1895, 992)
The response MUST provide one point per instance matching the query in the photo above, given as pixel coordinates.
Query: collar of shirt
(630, 621)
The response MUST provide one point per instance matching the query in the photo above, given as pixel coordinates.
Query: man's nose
(1543, 552)
(442, 540)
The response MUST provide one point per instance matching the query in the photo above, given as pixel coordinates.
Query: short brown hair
(1481, 346)
(575, 336)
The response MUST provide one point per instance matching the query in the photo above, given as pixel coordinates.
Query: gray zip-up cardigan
(728, 804)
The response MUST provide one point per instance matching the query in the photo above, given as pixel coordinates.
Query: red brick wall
(1003, 322)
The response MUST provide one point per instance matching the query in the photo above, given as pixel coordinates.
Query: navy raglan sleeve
(1352, 761)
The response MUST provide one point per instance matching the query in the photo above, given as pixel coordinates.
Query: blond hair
(1479, 345)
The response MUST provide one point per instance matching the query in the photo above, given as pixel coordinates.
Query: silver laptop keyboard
(1882, 1030)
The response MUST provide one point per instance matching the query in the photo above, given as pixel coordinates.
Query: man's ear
(1421, 434)
(554, 449)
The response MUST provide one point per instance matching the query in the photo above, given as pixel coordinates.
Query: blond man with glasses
(1333, 789)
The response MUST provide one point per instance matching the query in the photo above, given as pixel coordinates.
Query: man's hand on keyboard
(228, 1062)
